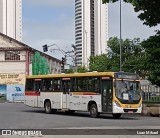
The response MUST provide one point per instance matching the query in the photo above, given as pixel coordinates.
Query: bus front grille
(130, 110)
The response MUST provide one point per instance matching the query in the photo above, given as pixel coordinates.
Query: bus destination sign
(126, 76)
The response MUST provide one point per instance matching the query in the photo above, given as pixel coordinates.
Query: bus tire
(94, 111)
(47, 107)
(117, 116)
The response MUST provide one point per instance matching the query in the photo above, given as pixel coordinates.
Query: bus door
(106, 92)
(37, 88)
(66, 93)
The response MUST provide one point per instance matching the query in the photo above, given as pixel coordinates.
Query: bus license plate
(130, 112)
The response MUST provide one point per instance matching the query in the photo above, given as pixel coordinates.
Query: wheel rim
(93, 111)
(47, 107)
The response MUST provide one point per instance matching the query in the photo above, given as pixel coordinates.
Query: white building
(91, 29)
(11, 18)
(18, 60)
(17, 57)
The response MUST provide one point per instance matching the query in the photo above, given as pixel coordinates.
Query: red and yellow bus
(95, 92)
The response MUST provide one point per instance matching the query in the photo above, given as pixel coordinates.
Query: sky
(52, 22)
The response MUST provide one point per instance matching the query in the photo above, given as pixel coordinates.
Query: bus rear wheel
(47, 107)
(117, 116)
(94, 111)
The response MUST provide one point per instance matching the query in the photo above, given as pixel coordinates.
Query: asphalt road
(19, 116)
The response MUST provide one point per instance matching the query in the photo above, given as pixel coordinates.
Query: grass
(154, 99)
(2, 98)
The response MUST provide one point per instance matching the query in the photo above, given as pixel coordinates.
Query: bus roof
(90, 74)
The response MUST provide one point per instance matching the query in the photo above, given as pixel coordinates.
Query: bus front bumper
(118, 109)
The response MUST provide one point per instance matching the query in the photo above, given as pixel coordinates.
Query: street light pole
(120, 40)
(58, 48)
(86, 62)
(66, 54)
(75, 57)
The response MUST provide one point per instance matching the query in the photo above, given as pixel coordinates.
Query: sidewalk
(151, 110)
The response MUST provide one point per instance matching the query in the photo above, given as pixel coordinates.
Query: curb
(11, 101)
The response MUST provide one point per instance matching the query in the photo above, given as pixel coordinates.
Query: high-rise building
(91, 29)
(11, 18)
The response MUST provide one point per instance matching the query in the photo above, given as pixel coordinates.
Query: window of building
(12, 55)
(31, 57)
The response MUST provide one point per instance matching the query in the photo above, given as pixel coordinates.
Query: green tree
(102, 63)
(152, 61)
(82, 69)
(45, 69)
(133, 55)
(36, 63)
(71, 70)
(148, 10)
(149, 62)
(39, 64)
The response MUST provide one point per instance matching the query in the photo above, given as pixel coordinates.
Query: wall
(6, 67)
(101, 29)
(11, 18)
(151, 109)
(12, 86)
(13, 90)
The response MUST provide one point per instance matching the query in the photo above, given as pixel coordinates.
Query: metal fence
(151, 93)
(151, 97)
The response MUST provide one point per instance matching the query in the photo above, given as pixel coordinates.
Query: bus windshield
(127, 90)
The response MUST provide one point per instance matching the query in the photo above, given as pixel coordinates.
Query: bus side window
(47, 85)
(56, 85)
(81, 84)
(97, 86)
(43, 85)
(74, 84)
(29, 85)
(94, 84)
(37, 85)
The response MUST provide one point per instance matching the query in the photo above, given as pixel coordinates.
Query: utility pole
(75, 57)
(120, 40)
(66, 54)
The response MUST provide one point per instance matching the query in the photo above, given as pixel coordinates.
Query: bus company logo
(18, 89)
(6, 132)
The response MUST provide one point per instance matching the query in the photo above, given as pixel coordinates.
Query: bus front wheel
(117, 116)
(94, 111)
(47, 107)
